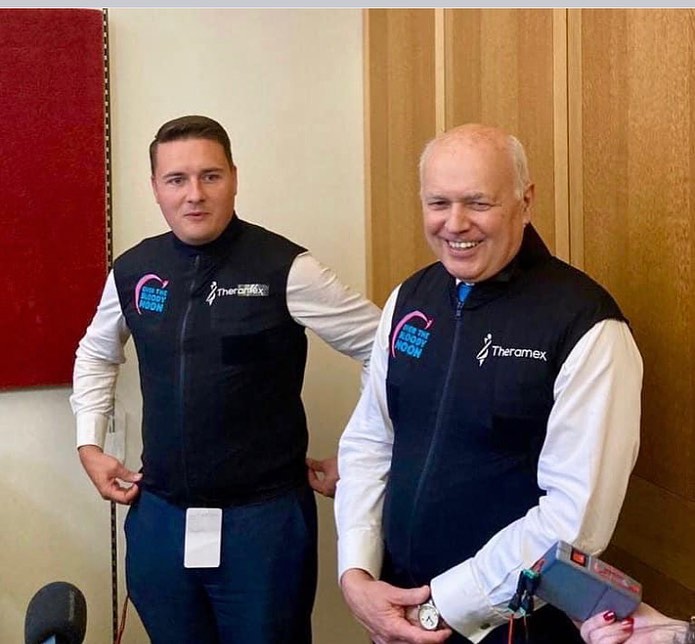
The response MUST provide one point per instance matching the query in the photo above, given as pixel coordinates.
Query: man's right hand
(106, 472)
(381, 609)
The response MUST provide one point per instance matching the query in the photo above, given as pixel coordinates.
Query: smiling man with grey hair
(501, 414)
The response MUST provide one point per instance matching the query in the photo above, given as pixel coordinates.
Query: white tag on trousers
(203, 540)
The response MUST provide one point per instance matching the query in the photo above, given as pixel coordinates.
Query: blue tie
(463, 290)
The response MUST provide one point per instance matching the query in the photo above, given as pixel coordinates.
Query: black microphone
(57, 614)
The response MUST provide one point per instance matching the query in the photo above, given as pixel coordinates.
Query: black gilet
(221, 365)
(469, 390)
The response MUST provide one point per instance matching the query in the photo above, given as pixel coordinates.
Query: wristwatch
(428, 616)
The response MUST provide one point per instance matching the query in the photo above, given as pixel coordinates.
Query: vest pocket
(518, 436)
(243, 349)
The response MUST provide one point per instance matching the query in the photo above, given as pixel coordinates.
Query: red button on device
(578, 557)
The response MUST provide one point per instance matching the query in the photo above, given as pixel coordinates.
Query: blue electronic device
(582, 585)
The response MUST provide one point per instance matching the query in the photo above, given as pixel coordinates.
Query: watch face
(429, 617)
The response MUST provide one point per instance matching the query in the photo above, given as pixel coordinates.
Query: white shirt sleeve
(364, 462)
(98, 357)
(340, 316)
(585, 463)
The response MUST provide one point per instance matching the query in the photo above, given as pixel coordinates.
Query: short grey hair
(520, 163)
(516, 152)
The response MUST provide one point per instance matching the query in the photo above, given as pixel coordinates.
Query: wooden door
(400, 119)
(632, 195)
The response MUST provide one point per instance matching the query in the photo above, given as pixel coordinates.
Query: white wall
(287, 84)
(52, 527)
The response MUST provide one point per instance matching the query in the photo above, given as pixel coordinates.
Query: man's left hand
(323, 475)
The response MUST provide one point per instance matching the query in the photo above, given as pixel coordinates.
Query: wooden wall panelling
(400, 119)
(638, 155)
(574, 136)
(560, 136)
(654, 541)
(634, 196)
(671, 597)
(506, 67)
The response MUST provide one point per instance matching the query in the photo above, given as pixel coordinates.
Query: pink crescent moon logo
(397, 330)
(142, 282)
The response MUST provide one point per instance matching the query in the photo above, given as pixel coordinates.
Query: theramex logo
(240, 290)
(498, 351)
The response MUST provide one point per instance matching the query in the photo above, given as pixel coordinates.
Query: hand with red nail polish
(645, 626)
(628, 624)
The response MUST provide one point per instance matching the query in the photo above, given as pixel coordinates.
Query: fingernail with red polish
(609, 616)
(628, 623)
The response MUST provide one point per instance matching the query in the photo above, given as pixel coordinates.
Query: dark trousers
(262, 593)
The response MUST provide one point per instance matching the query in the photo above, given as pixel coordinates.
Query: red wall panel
(53, 248)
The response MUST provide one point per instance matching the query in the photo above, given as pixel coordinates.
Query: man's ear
(153, 184)
(528, 197)
(234, 178)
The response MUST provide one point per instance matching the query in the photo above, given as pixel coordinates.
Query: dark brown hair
(192, 126)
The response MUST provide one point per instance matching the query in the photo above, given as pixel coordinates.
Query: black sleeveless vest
(221, 365)
(469, 390)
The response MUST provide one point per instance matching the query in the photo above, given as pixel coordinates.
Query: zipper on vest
(437, 428)
(182, 373)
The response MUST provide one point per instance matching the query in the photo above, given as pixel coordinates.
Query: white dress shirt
(584, 467)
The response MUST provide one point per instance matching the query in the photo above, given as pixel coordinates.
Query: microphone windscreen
(57, 610)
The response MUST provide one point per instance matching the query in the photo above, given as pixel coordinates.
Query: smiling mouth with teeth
(462, 245)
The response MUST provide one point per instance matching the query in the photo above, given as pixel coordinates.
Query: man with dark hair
(221, 532)
(501, 414)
